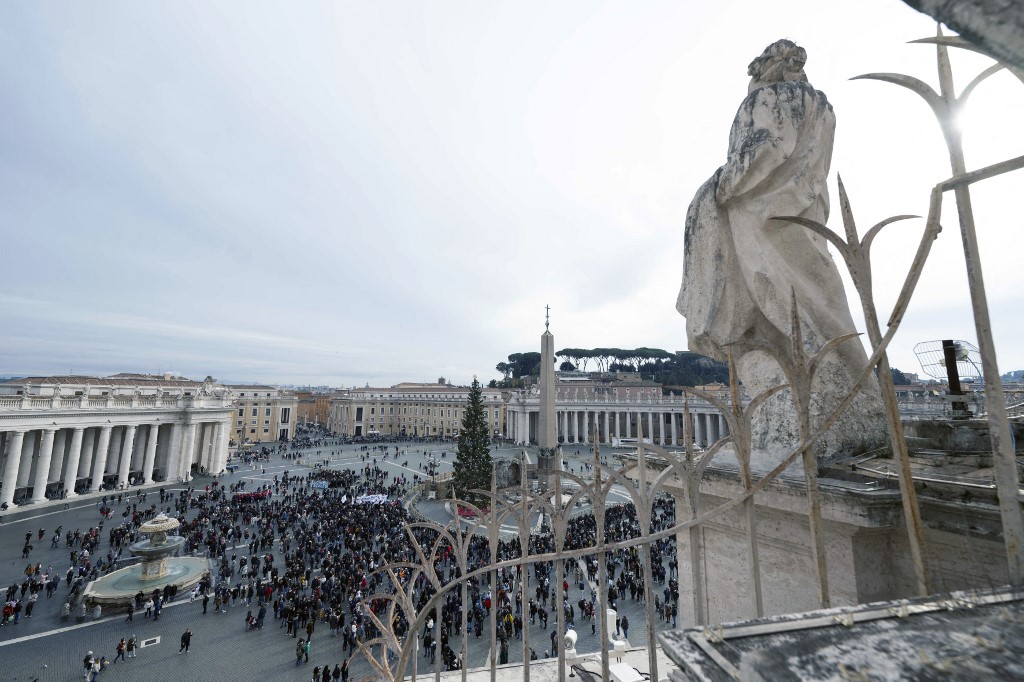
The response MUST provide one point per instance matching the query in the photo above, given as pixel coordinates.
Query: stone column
(150, 459)
(11, 467)
(43, 466)
(57, 459)
(216, 463)
(673, 432)
(126, 456)
(116, 445)
(187, 450)
(88, 450)
(617, 420)
(574, 417)
(607, 433)
(586, 426)
(100, 461)
(628, 417)
(174, 453)
(650, 426)
(28, 449)
(74, 455)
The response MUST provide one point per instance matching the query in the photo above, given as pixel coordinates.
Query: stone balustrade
(14, 403)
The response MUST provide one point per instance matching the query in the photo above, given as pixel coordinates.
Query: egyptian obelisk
(547, 437)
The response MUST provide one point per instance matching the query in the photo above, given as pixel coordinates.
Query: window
(266, 422)
(238, 423)
(286, 415)
(252, 431)
(266, 412)
(359, 414)
(373, 410)
(252, 422)
(254, 411)
(266, 430)
(241, 411)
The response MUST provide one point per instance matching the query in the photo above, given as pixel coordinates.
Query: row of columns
(582, 426)
(97, 451)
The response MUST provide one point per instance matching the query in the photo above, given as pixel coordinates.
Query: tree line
(681, 368)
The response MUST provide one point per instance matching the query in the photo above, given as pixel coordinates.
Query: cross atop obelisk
(547, 316)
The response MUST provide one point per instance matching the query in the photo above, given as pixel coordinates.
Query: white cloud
(366, 192)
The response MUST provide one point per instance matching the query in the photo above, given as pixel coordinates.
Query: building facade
(71, 434)
(410, 409)
(263, 413)
(613, 408)
(314, 407)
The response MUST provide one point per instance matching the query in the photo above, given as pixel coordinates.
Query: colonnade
(56, 461)
(663, 427)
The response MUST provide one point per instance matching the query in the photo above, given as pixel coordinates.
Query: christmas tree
(473, 456)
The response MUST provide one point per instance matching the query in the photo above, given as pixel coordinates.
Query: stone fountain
(158, 569)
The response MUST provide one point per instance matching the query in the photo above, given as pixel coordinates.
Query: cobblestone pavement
(45, 648)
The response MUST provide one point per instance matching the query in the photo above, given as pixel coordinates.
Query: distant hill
(1016, 375)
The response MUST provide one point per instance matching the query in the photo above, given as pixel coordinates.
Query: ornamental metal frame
(392, 657)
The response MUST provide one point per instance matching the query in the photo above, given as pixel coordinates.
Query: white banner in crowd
(371, 499)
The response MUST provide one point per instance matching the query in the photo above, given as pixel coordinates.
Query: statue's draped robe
(741, 269)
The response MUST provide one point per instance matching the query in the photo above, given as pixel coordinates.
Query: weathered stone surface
(976, 635)
(742, 270)
(996, 26)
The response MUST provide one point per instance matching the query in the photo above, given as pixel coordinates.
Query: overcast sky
(349, 192)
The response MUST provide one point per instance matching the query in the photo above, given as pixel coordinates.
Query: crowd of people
(307, 549)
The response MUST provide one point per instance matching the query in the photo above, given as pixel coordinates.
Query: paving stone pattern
(45, 648)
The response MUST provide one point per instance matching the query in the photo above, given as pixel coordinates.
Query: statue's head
(781, 61)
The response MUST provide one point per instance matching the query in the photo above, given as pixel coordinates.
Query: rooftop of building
(123, 379)
(977, 635)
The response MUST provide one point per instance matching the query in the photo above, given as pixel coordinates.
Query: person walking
(149, 608)
(87, 665)
(206, 600)
(300, 649)
(186, 641)
(120, 649)
(132, 648)
(131, 612)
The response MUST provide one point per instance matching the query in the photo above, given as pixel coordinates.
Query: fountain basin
(120, 587)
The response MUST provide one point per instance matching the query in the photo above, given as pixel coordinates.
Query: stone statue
(741, 269)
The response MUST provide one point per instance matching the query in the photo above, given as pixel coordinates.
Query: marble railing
(19, 403)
